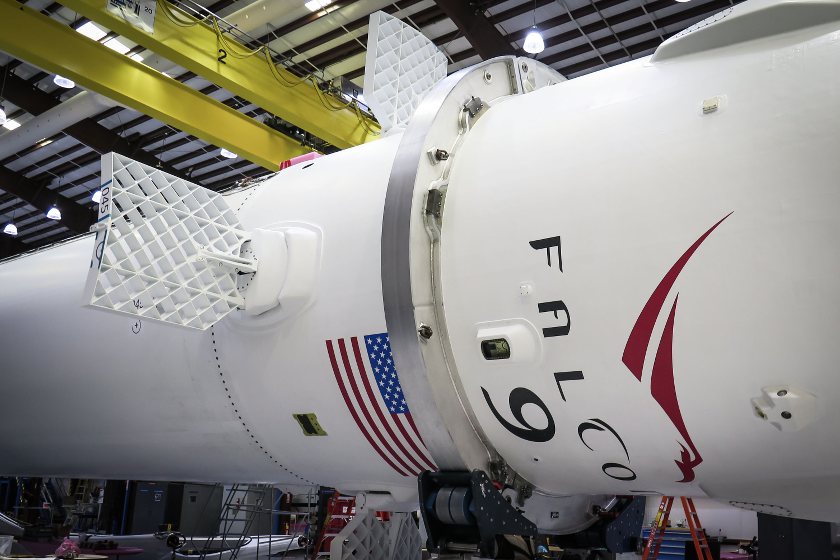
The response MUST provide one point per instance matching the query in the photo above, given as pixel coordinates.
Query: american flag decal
(368, 381)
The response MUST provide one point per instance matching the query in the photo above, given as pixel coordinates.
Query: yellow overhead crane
(196, 45)
(57, 48)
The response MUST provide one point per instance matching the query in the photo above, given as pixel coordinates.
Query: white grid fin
(402, 65)
(151, 227)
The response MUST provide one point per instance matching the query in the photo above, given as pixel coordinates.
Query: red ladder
(660, 524)
(340, 510)
(697, 533)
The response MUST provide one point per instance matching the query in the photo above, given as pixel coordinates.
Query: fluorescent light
(54, 214)
(115, 45)
(97, 197)
(11, 124)
(315, 5)
(2, 115)
(227, 153)
(10, 229)
(64, 82)
(90, 30)
(534, 43)
(136, 57)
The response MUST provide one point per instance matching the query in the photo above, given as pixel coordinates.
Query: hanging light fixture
(97, 196)
(11, 228)
(534, 43)
(54, 213)
(64, 82)
(227, 154)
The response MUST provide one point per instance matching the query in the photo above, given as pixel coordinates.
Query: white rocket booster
(620, 284)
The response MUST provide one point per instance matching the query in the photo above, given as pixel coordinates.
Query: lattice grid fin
(401, 66)
(150, 229)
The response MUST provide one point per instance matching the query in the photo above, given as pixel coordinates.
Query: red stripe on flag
(413, 427)
(365, 379)
(358, 394)
(399, 422)
(351, 408)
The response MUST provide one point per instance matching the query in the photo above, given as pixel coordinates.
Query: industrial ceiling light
(91, 31)
(64, 82)
(315, 5)
(227, 154)
(534, 43)
(97, 197)
(115, 45)
(11, 228)
(54, 213)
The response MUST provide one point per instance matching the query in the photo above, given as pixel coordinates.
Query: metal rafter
(89, 132)
(196, 48)
(487, 41)
(49, 44)
(38, 195)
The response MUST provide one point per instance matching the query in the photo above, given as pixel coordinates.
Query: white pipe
(48, 123)
(261, 12)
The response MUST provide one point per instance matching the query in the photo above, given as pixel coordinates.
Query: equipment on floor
(660, 524)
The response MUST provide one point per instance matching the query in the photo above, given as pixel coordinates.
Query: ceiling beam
(73, 216)
(487, 41)
(196, 48)
(10, 246)
(48, 44)
(88, 131)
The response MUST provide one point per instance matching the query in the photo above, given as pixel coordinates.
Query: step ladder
(243, 504)
(340, 510)
(660, 524)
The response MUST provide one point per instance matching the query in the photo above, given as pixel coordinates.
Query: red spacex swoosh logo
(662, 378)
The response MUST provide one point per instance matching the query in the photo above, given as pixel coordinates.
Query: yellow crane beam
(57, 48)
(196, 46)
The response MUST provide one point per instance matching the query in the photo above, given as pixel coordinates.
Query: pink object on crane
(300, 159)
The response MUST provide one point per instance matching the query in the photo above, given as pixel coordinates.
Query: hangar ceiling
(327, 39)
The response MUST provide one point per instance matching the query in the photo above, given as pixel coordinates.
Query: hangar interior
(224, 97)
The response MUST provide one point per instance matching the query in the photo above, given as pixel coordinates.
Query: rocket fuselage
(664, 278)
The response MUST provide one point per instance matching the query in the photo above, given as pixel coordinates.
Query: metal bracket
(230, 263)
(466, 513)
(617, 530)
(473, 106)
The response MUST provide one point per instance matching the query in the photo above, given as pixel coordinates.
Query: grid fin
(151, 227)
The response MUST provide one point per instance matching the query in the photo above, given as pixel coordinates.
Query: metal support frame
(196, 48)
(57, 48)
(11, 246)
(73, 216)
(89, 132)
(487, 41)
